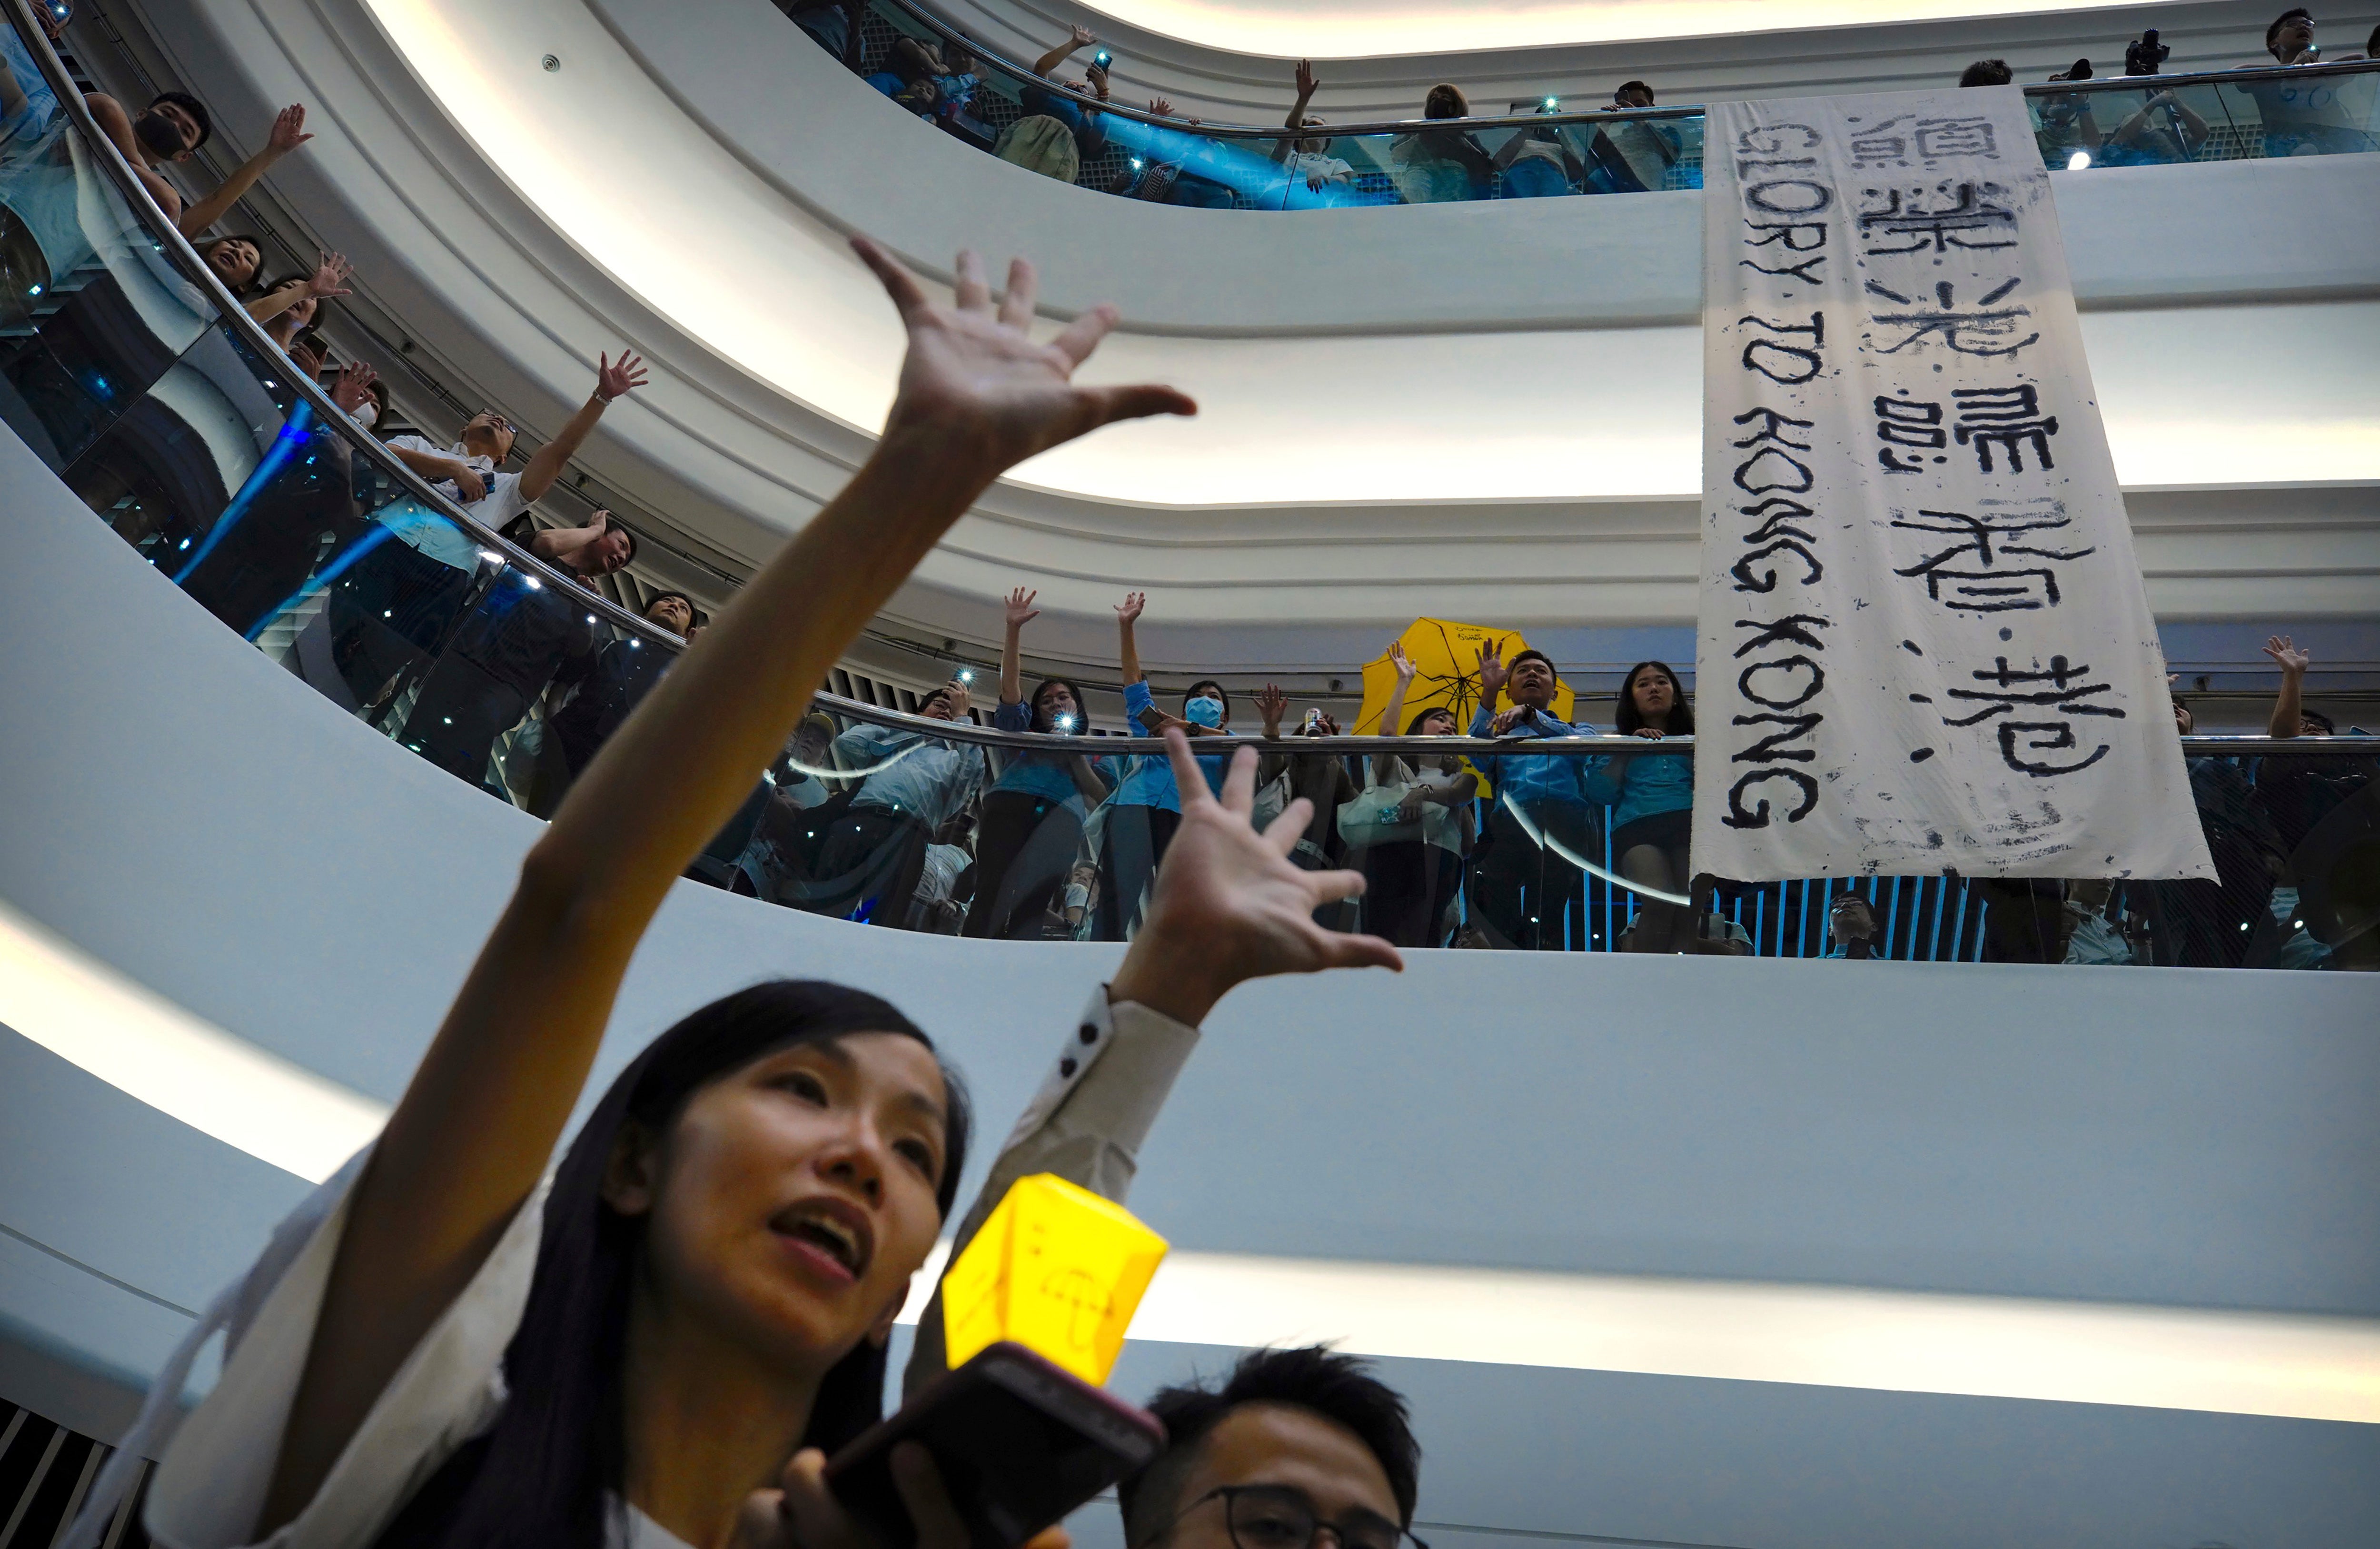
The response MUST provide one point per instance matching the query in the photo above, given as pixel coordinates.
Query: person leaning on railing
(1434, 166)
(172, 129)
(2302, 115)
(1632, 156)
(1523, 888)
(1032, 828)
(1322, 778)
(871, 859)
(1306, 158)
(1652, 796)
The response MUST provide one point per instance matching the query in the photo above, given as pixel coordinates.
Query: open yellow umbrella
(1446, 655)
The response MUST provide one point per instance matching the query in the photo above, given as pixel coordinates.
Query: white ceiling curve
(1373, 28)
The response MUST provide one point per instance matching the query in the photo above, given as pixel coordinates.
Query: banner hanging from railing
(1925, 641)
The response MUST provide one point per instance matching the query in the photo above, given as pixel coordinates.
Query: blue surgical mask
(1205, 711)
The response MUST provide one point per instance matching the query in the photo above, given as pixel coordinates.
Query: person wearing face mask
(1137, 822)
(1652, 796)
(661, 1346)
(1524, 889)
(1411, 828)
(520, 635)
(172, 129)
(1033, 816)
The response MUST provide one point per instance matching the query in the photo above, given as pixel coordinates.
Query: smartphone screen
(1019, 1442)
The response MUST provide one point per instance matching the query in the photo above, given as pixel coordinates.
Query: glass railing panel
(2150, 125)
(2294, 114)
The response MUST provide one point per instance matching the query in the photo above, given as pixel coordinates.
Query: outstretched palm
(975, 383)
(1228, 906)
(2285, 655)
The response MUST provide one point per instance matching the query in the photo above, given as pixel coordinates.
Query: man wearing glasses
(1295, 1443)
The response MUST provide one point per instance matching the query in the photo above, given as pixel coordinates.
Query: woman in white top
(659, 1351)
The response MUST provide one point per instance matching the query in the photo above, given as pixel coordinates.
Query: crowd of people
(1052, 122)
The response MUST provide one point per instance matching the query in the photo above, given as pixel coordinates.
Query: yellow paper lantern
(1447, 656)
(1056, 1269)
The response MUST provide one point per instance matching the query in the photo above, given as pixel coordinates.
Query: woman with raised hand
(1653, 797)
(695, 1312)
(1033, 816)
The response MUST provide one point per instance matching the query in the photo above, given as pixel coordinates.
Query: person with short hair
(1411, 830)
(1850, 927)
(1523, 886)
(2289, 38)
(2302, 116)
(1987, 72)
(1292, 1442)
(621, 675)
(172, 129)
(872, 857)
(1632, 156)
(467, 472)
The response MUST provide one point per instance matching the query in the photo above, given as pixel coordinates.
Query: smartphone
(1019, 1441)
(1103, 59)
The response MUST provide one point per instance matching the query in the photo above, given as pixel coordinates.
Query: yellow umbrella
(1446, 655)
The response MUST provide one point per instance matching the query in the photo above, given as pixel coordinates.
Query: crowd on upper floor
(1053, 124)
(504, 681)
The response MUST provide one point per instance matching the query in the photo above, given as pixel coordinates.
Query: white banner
(1924, 642)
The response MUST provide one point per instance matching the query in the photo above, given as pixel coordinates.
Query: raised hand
(1229, 907)
(1492, 672)
(1307, 84)
(330, 276)
(288, 130)
(1273, 704)
(618, 381)
(1084, 37)
(1161, 107)
(1403, 663)
(974, 385)
(1021, 610)
(961, 699)
(353, 387)
(2284, 651)
(1130, 608)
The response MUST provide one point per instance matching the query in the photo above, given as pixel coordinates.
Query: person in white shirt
(1306, 158)
(467, 472)
(659, 1348)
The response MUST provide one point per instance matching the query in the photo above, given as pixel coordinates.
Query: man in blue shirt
(1523, 886)
(869, 863)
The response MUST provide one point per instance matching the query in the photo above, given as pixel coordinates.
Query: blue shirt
(1042, 774)
(1535, 783)
(1148, 781)
(1649, 784)
(934, 782)
(1071, 109)
(41, 102)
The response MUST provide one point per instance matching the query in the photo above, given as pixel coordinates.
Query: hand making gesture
(618, 381)
(2285, 655)
(288, 130)
(1273, 704)
(1229, 907)
(1492, 672)
(1021, 610)
(976, 386)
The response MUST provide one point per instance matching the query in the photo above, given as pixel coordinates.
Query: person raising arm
(764, 1182)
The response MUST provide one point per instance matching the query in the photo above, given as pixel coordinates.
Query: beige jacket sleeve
(1087, 1125)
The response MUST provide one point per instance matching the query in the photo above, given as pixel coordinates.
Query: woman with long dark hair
(1652, 796)
(659, 1351)
(1033, 815)
(1414, 823)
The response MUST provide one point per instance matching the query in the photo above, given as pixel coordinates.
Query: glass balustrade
(1522, 150)
(186, 429)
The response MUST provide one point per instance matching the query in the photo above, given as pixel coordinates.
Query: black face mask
(159, 133)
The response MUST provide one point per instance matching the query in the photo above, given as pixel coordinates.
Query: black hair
(1533, 652)
(1221, 693)
(2329, 726)
(1446, 101)
(1987, 72)
(195, 108)
(655, 600)
(1413, 723)
(2273, 33)
(1628, 717)
(542, 1473)
(256, 247)
(1340, 1388)
(2371, 43)
(1082, 706)
(1627, 86)
(939, 691)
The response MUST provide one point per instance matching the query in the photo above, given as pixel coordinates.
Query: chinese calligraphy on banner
(1924, 642)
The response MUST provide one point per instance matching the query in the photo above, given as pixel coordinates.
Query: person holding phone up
(660, 1348)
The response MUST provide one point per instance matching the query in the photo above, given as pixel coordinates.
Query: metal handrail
(174, 245)
(1008, 66)
(1598, 746)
